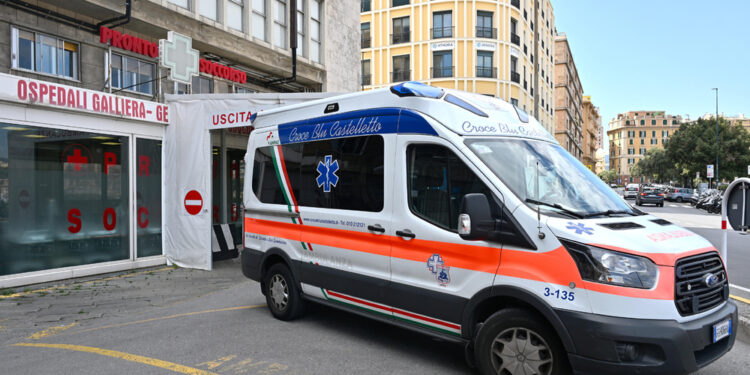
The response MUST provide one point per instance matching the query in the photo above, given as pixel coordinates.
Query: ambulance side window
(265, 165)
(438, 180)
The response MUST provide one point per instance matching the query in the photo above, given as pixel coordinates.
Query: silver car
(679, 195)
(631, 191)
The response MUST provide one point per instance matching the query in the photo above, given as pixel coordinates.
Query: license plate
(722, 329)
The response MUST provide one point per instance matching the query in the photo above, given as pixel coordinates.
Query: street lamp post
(716, 168)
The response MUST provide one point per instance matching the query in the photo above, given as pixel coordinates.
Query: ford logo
(710, 279)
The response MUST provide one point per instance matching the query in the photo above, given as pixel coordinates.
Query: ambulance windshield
(565, 186)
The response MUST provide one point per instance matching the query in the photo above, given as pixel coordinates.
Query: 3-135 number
(560, 294)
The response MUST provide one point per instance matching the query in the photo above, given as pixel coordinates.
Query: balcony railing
(515, 77)
(486, 32)
(397, 38)
(442, 71)
(442, 32)
(516, 3)
(366, 79)
(486, 72)
(400, 75)
(515, 39)
(366, 41)
(364, 6)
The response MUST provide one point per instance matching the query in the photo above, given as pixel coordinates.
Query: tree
(693, 146)
(656, 165)
(609, 176)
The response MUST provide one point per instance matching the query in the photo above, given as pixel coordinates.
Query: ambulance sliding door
(435, 272)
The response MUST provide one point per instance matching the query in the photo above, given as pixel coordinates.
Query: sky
(660, 54)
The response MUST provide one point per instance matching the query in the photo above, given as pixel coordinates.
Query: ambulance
(457, 215)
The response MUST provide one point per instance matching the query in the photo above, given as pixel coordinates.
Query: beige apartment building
(633, 133)
(568, 99)
(592, 125)
(739, 119)
(502, 48)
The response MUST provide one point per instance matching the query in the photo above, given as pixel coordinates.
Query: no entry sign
(193, 202)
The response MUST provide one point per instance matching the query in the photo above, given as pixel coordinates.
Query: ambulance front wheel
(514, 341)
(282, 293)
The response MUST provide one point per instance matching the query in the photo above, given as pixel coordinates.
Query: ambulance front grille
(693, 294)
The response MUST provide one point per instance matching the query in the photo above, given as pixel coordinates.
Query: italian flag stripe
(286, 187)
(410, 317)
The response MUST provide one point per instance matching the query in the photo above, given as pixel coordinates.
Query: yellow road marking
(125, 356)
(169, 317)
(740, 299)
(47, 290)
(50, 331)
(216, 363)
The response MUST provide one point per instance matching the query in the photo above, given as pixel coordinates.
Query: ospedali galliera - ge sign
(150, 49)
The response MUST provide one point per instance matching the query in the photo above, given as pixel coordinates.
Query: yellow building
(502, 48)
(592, 124)
(633, 133)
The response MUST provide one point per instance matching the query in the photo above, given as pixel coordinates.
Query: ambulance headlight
(612, 267)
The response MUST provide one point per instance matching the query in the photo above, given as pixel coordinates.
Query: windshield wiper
(556, 205)
(609, 213)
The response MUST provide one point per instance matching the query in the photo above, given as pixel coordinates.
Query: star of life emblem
(327, 173)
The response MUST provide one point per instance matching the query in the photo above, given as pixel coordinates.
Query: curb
(744, 330)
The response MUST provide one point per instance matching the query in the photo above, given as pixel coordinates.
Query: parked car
(649, 195)
(631, 190)
(679, 195)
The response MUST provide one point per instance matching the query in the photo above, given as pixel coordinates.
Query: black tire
(282, 293)
(679, 199)
(511, 324)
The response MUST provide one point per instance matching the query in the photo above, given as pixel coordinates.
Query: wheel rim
(279, 290)
(520, 351)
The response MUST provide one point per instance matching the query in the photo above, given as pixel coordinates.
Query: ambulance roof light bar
(413, 88)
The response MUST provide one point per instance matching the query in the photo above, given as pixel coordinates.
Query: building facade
(632, 134)
(568, 100)
(503, 48)
(739, 119)
(82, 119)
(592, 127)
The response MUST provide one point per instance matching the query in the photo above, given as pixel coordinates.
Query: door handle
(376, 228)
(405, 233)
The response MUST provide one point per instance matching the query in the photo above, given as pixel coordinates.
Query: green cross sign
(177, 53)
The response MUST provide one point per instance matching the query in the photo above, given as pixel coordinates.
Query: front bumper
(664, 346)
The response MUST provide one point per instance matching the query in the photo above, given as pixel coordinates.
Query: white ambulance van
(457, 215)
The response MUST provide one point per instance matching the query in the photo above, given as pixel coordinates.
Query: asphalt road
(195, 322)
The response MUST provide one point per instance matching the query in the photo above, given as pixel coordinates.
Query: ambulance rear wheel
(513, 341)
(282, 293)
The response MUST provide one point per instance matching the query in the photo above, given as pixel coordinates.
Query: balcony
(397, 38)
(516, 3)
(442, 71)
(366, 79)
(486, 72)
(442, 32)
(486, 32)
(515, 77)
(515, 39)
(400, 75)
(364, 6)
(366, 41)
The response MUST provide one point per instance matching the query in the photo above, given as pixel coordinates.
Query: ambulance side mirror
(475, 221)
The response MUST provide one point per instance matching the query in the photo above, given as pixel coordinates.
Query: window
(664, 122)
(442, 64)
(315, 39)
(653, 122)
(279, 23)
(631, 141)
(182, 3)
(243, 90)
(484, 64)
(401, 68)
(642, 151)
(131, 74)
(401, 33)
(514, 101)
(364, 6)
(664, 133)
(643, 122)
(360, 173)
(365, 34)
(484, 25)
(76, 187)
(438, 181)
(259, 19)
(642, 133)
(208, 9)
(301, 27)
(44, 54)
(148, 190)
(653, 133)
(202, 85)
(442, 25)
(514, 76)
(233, 12)
(654, 141)
(674, 122)
(643, 141)
(366, 78)
(400, 2)
(514, 38)
(627, 122)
